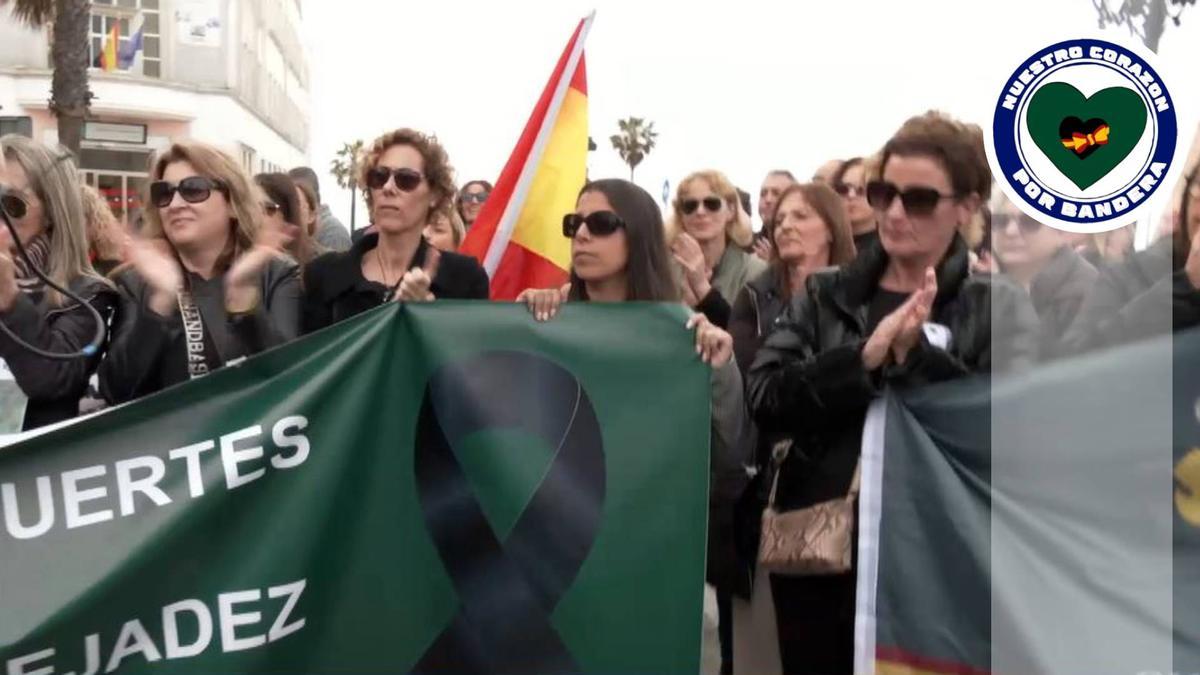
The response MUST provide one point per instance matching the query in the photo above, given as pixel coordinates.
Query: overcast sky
(740, 86)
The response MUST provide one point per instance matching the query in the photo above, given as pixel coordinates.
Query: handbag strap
(779, 452)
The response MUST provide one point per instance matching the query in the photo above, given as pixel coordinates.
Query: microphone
(88, 350)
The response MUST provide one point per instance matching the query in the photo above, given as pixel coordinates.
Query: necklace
(383, 271)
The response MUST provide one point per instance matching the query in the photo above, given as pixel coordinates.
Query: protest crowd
(900, 266)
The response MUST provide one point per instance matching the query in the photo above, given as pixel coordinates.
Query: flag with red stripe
(518, 234)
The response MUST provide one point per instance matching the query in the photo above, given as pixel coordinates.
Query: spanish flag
(518, 234)
(107, 58)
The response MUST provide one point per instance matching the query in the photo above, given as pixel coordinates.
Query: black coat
(54, 387)
(809, 381)
(1058, 292)
(149, 351)
(335, 288)
(1144, 296)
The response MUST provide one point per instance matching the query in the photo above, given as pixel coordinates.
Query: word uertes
(187, 631)
(96, 494)
(1121, 60)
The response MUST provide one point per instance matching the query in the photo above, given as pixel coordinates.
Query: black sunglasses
(193, 189)
(917, 201)
(406, 180)
(599, 223)
(1026, 224)
(847, 190)
(474, 197)
(711, 204)
(13, 205)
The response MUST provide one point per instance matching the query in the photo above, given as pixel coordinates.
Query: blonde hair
(105, 235)
(456, 225)
(55, 180)
(737, 229)
(244, 196)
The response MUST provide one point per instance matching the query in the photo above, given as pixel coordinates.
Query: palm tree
(635, 141)
(69, 93)
(1146, 19)
(344, 169)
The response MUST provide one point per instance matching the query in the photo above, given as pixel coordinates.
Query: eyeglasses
(1026, 224)
(849, 191)
(918, 201)
(193, 189)
(406, 180)
(270, 208)
(599, 223)
(711, 204)
(474, 197)
(13, 205)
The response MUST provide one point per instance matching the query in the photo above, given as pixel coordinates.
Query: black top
(884, 302)
(866, 240)
(54, 387)
(149, 352)
(335, 288)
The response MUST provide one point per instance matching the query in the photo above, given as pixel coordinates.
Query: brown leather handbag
(812, 541)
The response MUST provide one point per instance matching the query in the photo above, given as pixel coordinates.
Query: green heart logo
(1086, 138)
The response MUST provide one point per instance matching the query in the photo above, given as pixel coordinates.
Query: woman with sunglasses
(40, 198)
(1154, 291)
(618, 254)
(207, 283)
(470, 201)
(283, 212)
(903, 313)
(408, 178)
(1042, 261)
(708, 238)
(850, 181)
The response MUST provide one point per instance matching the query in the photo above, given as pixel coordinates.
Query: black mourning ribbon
(508, 590)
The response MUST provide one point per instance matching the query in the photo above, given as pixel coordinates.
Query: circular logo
(1083, 134)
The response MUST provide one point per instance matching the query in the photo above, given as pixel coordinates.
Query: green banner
(446, 488)
(1047, 522)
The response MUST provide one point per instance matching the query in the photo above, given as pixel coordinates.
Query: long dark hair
(1183, 238)
(648, 269)
(281, 189)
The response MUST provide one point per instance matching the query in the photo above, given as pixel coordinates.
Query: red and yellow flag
(108, 55)
(518, 234)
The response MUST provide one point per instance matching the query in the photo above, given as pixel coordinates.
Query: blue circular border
(1004, 137)
(1142, 93)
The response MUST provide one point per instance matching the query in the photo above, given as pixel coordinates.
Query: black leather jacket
(54, 387)
(808, 380)
(149, 352)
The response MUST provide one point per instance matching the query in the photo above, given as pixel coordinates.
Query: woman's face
(920, 235)
(19, 195)
(205, 225)
(473, 197)
(854, 185)
(709, 213)
(395, 209)
(440, 234)
(1022, 241)
(308, 217)
(801, 236)
(597, 258)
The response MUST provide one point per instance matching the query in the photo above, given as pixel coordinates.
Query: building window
(22, 126)
(129, 17)
(249, 157)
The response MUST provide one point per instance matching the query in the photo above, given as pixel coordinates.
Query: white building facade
(233, 73)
